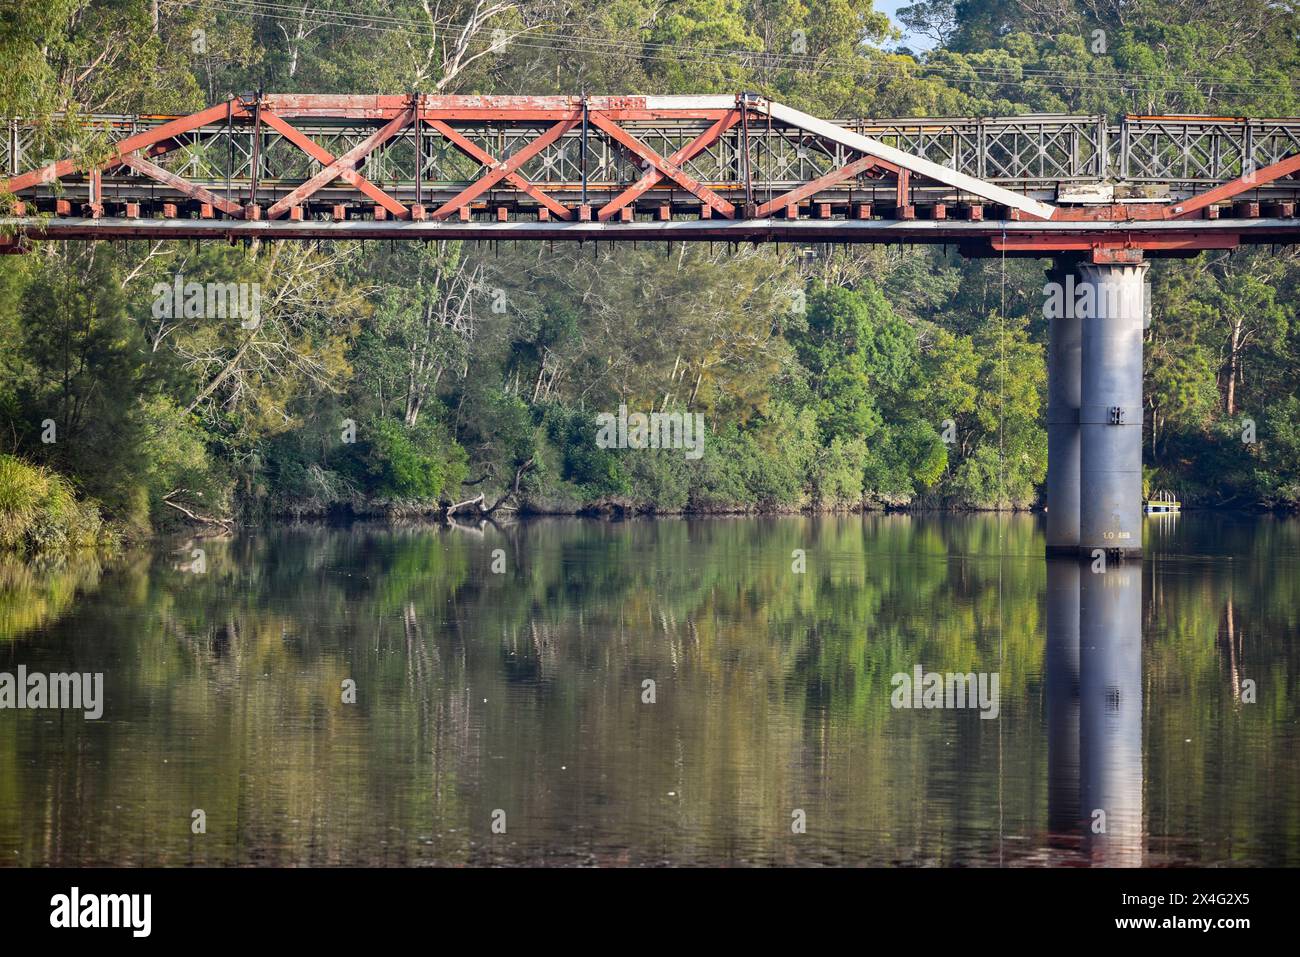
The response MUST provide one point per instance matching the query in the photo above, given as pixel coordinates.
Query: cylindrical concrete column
(1110, 303)
(1064, 372)
(1110, 714)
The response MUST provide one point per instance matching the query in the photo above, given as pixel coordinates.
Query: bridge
(1096, 196)
(690, 168)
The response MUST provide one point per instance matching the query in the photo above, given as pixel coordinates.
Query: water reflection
(1094, 692)
(1061, 673)
(524, 692)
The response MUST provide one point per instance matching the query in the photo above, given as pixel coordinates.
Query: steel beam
(150, 137)
(859, 166)
(344, 167)
(474, 152)
(157, 173)
(914, 164)
(655, 175)
(1163, 165)
(500, 171)
(326, 159)
(1251, 180)
(669, 169)
(974, 238)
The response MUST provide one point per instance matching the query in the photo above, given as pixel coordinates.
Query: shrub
(412, 464)
(40, 512)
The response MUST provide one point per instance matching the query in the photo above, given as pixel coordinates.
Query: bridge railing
(1032, 152)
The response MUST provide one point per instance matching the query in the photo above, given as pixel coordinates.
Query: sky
(891, 7)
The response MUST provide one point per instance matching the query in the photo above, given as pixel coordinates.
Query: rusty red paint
(326, 159)
(167, 178)
(474, 152)
(654, 176)
(344, 167)
(621, 200)
(670, 170)
(499, 171)
(856, 168)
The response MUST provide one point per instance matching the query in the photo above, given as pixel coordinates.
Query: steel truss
(736, 166)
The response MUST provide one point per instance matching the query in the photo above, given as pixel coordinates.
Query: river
(670, 691)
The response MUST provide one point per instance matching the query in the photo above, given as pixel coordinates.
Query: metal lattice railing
(1028, 152)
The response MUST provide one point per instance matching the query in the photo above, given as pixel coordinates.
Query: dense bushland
(409, 378)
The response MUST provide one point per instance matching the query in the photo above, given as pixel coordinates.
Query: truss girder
(613, 159)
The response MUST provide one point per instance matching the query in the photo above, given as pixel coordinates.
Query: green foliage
(1278, 471)
(859, 377)
(417, 464)
(40, 512)
(594, 472)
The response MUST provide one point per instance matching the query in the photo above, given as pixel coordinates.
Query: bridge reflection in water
(1094, 710)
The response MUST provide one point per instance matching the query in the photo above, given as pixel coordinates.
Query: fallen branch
(202, 519)
(477, 500)
(513, 493)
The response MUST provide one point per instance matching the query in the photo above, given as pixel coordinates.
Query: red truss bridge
(676, 168)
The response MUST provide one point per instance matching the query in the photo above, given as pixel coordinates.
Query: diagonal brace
(158, 136)
(671, 170)
(326, 158)
(856, 168)
(168, 178)
(651, 178)
(1241, 184)
(344, 167)
(499, 171)
(474, 152)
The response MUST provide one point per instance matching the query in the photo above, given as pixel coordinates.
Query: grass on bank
(40, 513)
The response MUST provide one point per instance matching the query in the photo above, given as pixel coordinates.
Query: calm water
(523, 692)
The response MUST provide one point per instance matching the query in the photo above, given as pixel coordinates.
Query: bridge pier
(1094, 410)
(1064, 379)
(1110, 411)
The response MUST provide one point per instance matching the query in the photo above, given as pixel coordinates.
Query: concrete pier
(1064, 381)
(1094, 411)
(1110, 411)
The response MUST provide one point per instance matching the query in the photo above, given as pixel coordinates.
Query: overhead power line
(1024, 77)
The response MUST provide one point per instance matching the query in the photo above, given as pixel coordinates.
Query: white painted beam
(708, 101)
(908, 161)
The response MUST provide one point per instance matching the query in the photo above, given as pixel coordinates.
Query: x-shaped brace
(478, 154)
(343, 167)
(327, 159)
(665, 167)
(654, 175)
(498, 171)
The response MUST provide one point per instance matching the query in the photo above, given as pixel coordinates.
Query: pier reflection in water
(1094, 691)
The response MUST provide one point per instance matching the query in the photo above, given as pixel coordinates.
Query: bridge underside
(1118, 242)
(681, 168)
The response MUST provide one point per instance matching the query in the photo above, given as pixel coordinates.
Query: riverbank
(41, 513)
